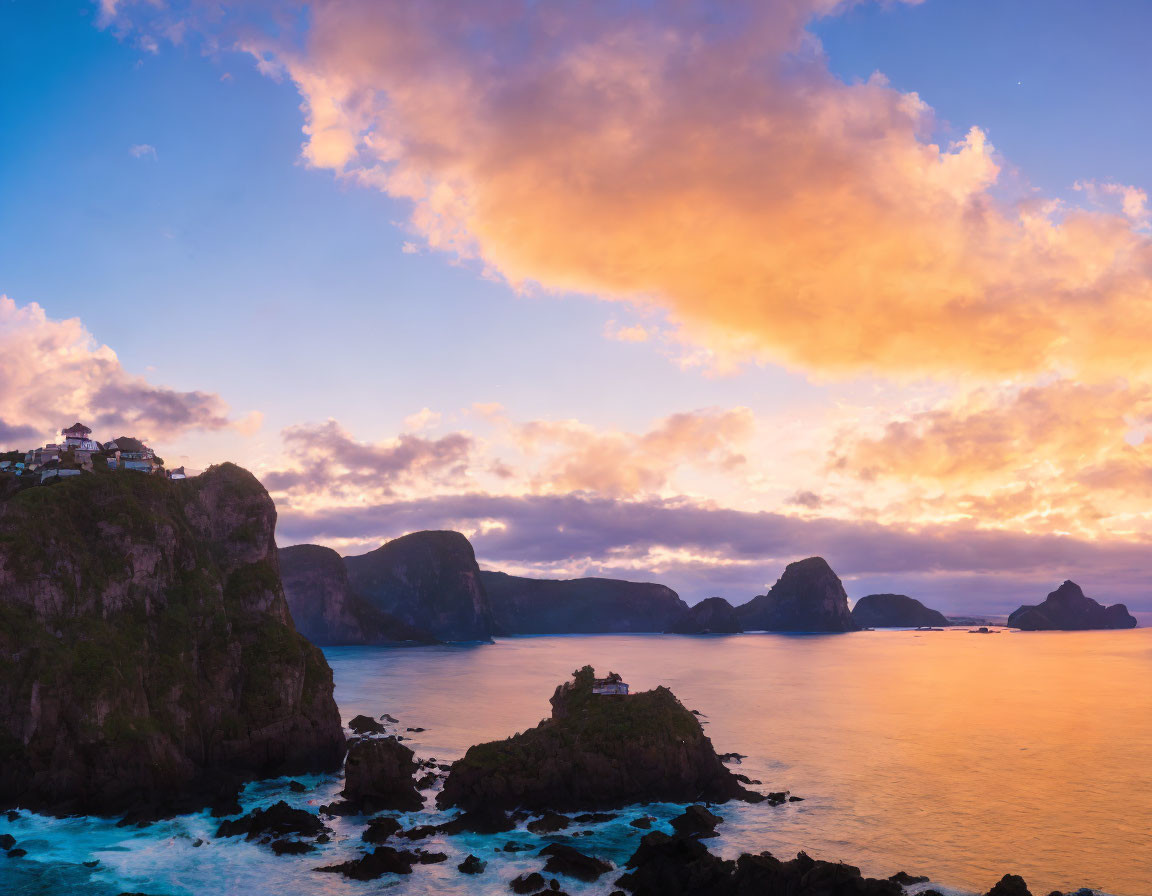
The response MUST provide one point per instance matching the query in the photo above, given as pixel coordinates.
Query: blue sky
(219, 257)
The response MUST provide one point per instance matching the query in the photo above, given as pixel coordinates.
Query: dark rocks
(513, 846)
(523, 606)
(420, 832)
(379, 774)
(596, 752)
(297, 787)
(278, 819)
(380, 829)
(906, 880)
(366, 725)
(428, 580)
(7, 841)
(644, 822)
(415, 730)
(168, 622)
(697, 821)
(482, 820)
(1010, 885)
(549, 823)
(895, 611)
(712, 616)
(528, 883)
(384, 860)
(732, 757)
(682, 866)
(426, 782)
(328, 611)
(563, 859)
(472, 865)
(808, 597)
(1068, 609)
(291, 847)
(17, 853)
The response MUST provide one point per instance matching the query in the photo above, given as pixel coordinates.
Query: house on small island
(612, 685)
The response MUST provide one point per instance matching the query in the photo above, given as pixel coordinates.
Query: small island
(1068, 608)
(597, 751)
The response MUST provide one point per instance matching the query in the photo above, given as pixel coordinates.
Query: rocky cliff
(1069, 609)
(809, 597)
(428, 580)
(596, 752)
(895, 611)
(327, 611)
(712, 616)
(523, 606)
(147, 656)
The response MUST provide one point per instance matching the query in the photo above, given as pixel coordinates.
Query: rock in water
(712, 616)
(523, 606)
(1010, 885)
(428, 580)
(596, 752)
(327, 611)
(809, 597)
(379, 774)
(895, 611)
(1069, 609)
(147, 655)
(682, 866)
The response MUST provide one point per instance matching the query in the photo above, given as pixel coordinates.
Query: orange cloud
(708, 163)
(621, 464)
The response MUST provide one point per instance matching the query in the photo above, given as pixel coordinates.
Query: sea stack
(147, 656)
(427, 580)
(327, 611)
(1069, 609)
(712, 616)
(895, 611)
(600, 750)
(809, 597)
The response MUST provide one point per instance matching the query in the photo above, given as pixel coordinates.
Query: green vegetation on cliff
(595, 752)
(146, 645)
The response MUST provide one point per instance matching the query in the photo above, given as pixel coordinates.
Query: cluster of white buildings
(76, 452)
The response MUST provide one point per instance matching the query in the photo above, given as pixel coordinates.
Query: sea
(956, 755)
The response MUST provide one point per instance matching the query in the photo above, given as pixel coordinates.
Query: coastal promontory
(895, 611)
(1068, 608)
(328, 611)
(597, 751)
(147, 655)
(525, 606)
(429, 581)
(808, 597)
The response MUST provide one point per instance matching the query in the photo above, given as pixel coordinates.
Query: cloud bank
(53, 372)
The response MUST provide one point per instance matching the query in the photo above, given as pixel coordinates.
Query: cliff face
(714, 615)
(809, 597)
(147, 656)
(895, 611)
(428, 580)
(596, 752)
(327, 611)
(1069, 609)
(522, 606)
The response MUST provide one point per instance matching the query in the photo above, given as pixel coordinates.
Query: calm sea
(951, 754)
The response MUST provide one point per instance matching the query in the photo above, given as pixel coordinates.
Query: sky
(666, 291)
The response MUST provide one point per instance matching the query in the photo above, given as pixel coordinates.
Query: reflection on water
(960, 756)
(957, 755)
